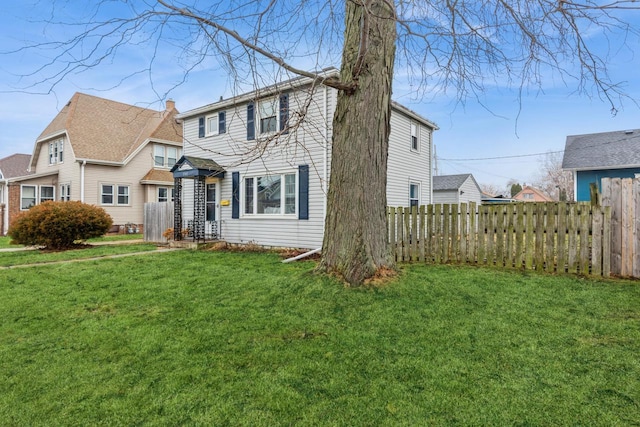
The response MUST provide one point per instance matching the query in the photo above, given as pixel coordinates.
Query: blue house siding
(584, 178)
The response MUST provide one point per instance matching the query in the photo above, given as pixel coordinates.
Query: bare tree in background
(553, 180)
(441, 45)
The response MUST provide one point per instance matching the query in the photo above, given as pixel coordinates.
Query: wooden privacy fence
(157, 218)
(552, 237)
(623, 196)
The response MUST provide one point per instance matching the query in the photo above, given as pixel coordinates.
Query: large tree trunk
(355, 243)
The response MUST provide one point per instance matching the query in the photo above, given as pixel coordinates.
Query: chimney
(170, 104)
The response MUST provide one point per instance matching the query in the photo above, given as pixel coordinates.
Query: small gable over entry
(199, 170)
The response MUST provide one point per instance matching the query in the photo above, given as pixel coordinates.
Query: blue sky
(502, 126)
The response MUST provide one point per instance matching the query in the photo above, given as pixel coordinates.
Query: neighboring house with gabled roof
(105, 153)
(461, 188)
(531, 194)
(594, 156)
(11, 167)
(257, 166)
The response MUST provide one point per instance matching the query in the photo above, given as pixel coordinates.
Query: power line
(502, 157)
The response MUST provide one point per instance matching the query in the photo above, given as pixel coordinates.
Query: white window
(267, 115)
(216, 123)
(158, 155)
(172, 156)
(65, 192)
(414, 194)
(47, 193)
(56, 154)
(415, 144)
(106, 194)
(27, 196)
(165, 156)
(270, 195)
(110, 193)
(123, 194)
(163, 194)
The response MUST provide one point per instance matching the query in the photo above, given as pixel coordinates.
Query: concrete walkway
(116, 242)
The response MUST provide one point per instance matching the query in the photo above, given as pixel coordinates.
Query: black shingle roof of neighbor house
(606, 150)
(449, 182)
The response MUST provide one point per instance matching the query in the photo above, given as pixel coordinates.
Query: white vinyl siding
(285, 229)
(406, 166)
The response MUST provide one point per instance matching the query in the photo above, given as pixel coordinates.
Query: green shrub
(56, 225)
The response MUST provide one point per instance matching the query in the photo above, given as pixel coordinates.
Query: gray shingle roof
(607, 150)
(449, 182)
(15, 165)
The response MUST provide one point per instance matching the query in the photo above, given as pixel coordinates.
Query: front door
(211, 202)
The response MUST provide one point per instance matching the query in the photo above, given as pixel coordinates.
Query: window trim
(35, 196)
(165, 155)
(115, 194)
(416, 199)
(56, 152)
(283, 195)
(415, 147)
(65, 192)
(53, 196)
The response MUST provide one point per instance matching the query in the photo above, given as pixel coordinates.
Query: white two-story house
(256, 167)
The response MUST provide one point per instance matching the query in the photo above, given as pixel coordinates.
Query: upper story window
(268, 117)
(270, 195)
(415, 144)
(272, 115)
(216, 124)
(165, 156)
(56, 152)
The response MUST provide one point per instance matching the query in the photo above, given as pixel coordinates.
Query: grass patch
(116, 238)
(8, 259)
(217, 338)
(5, 243)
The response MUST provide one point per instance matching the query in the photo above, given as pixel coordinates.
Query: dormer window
(56, 152)
(165, 156)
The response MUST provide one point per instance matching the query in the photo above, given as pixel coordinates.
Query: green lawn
(212, 338)
(27, 257)
(5, 240)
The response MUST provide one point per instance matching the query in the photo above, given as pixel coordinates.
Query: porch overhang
(191, 167)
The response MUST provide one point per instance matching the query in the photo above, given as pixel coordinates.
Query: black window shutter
(222, 122)
(303, 192)
(251, 127)
(284, 113)
(201, 127)
(235, 195)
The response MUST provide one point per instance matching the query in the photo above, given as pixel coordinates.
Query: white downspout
(82, 165)
(304, 255)
(575, 186)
